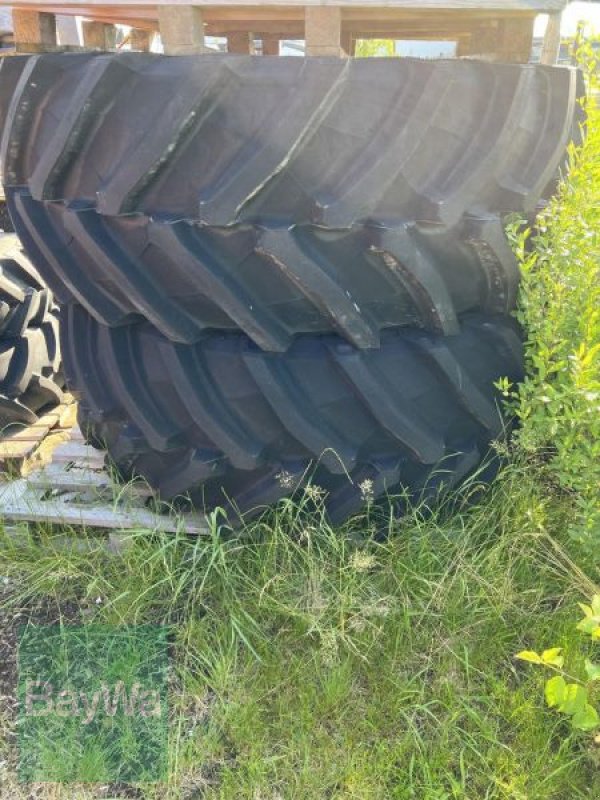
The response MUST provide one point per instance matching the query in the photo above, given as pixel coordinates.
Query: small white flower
(315, 493)
(366, 490)
(285, 479)
(362, 562)
(98, 601)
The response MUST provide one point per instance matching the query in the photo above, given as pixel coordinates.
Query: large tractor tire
(271, 284)
(280, 197)
(228, 424)
(288, 141)
(31, 378)
(275, 269)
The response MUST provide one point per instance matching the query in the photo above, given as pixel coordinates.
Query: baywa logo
(93, 703)
(41, 700)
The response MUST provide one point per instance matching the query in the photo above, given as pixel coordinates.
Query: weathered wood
(503, 39)
(241, 42)
(73, 478)
(551, 46)
(323, 31)
(78, 452)
(140, 39)
(515, 40)
(77, 490)
(181, 29)
(270, 45)
(20, 502)
(348, 42)
(35, 28)
(278, 29)
(481, 42)
(142, 8)
(99, 35)
(24, 448)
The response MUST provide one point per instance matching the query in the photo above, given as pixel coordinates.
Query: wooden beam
(260, 29)
(507, 39)
(482, 42)
(515, 40)
(348, 42)
(394, 30)
(270, 44)
(323, 30)
(551, 46)
(133, 13)
(99, 35)
(416, 6)
(241, 42)
(140, 39)
(33, 30)
(181, 29)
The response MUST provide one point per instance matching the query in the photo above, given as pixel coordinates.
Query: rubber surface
(31, 378)
(231, 139)
(229, 424)
(272, 284)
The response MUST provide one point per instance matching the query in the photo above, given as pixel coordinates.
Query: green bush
(558, 405)
(573, 694)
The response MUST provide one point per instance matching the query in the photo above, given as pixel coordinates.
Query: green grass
(314, 663)
(319, 663)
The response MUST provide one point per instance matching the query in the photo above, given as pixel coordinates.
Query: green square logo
(93, 703)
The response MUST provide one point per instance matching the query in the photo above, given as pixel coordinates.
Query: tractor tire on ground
(230, 425)
(31, 378)
(279, 197)
(230, 139)
(271, 284)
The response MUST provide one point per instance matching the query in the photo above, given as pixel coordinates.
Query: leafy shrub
(571, 695)
(558, 404)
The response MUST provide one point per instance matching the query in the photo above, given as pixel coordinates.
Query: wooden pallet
(76, 490)
(25, 448)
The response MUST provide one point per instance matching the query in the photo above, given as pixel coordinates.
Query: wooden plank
(349, 42)
(270, 45)
(241, 42)
(515, 40)
(76, 490)
(44, 451)
(79, 453)
(551, 46)
(24, 447)
(30, 433)
(19, 502)
(34, 28)
(88, 9)
(323, 31)
(82, 479)
(140, 39)
(277, 29)
(99, 35)
(181, 29)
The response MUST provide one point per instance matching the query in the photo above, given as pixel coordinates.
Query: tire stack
(280, 268)
(31, 378)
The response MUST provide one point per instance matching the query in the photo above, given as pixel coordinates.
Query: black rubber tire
(230, 139)
(31, 378)
(6, 225)
(227, 217)
(271, 284)
(228, 424)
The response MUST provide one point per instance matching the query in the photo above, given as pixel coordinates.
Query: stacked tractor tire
(280, 269)
(31, 378)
